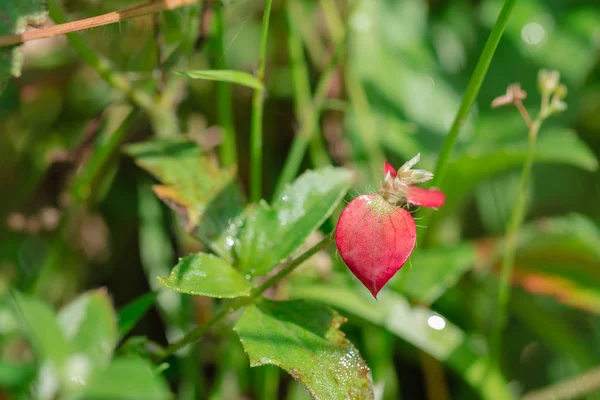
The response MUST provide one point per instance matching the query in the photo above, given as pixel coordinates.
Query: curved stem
(233, 305)
(256, 134)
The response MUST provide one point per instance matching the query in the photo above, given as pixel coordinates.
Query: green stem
(307, 111)
(510, 246)
(238, 303)
(105, 148)
(465, 106)
(472, 90)
(258, 99)
(228, 149)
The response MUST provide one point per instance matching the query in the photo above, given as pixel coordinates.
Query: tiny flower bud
(548, 81)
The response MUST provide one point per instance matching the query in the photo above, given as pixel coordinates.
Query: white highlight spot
(436, 322)
(533, 33)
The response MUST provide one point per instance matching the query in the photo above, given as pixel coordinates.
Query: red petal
(432, 198)
(374, 239)
(389, 169)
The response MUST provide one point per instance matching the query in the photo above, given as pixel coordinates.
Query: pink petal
(374, 239)
(389, 169)
(432, 198)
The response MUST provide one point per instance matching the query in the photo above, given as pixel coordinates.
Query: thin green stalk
(472, 90)
(366, 125)
(163, 120)
(228, 149)
(233, 305)
(307, 111)
(258, 99)
(105, 148)
(333, 20)
(465, 107)
(510, 245)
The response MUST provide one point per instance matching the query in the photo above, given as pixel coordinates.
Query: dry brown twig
(93, 22)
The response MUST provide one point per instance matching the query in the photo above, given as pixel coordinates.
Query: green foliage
(237, 77)
(305, 340)
(272, 233)
(130, 315)
(127, 378)
(418, 326)
(14, 18)
(75, 350)
(204, 274)
(378, 79)
(207, 198)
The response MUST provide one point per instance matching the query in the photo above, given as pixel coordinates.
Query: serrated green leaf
(204, 274)
(207, 198)
(127, 379)
(432, 271)
(90, 324)
(304, 339)
(273, 233)
(223, 75)
(438, 336)
(14, 18)
(131, 314)
(41, 326)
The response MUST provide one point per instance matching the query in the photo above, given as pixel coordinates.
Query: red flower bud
(375, 239)
(375, 235)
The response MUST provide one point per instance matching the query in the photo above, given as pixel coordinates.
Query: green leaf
(222, 75)
(432, 271)
(131, 314)
(305, 340)
(90, 323)
(16, 375)
(559, 257)
(477, 164)
(418, 326)
(273, 233)
(15, 16)
(204, 274)
(207, 198)
(127, 379)
(42, 328)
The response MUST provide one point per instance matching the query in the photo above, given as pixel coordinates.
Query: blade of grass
(467, 103)
(307, 110)
(258, 99)
(106, 147)
(228, 148)
(224, 75)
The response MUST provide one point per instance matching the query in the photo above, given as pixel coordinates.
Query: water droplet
(285, 198)
(248, 277)
(229, 242)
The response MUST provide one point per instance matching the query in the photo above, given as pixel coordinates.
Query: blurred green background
(76, 213)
